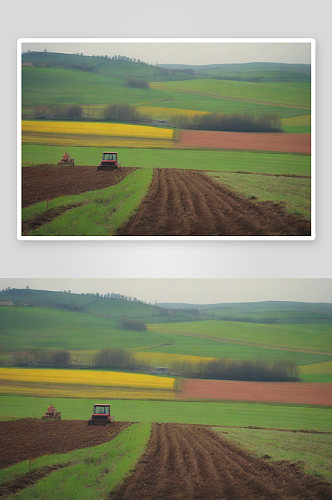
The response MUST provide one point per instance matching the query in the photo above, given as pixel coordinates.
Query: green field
(228, 414)
(45, 86)
(313, 451)
(293, 193)
(218, 161)
(41, 328)
(309, 337)
(290, 94)
(25, 328)
(197, 102)
(275, 72)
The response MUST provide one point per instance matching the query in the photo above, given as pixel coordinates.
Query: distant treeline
(132, 324)
(162, 311)
(121, 112)
(230, 122)
(114, 358)
(137, 83)
(248, 370)
(42, 358)
(59, 111)
(53, 305)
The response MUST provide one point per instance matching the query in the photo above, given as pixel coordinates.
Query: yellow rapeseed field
(166, 359)
(99, 129)
(167, 113)
(321, 368)
(82, 391)
(86, 377)
(94, 141)
(297, 120)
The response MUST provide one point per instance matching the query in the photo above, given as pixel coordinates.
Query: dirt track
(189, 203)
(31, 438)
(288, 143)
(190, 463)
(46, 182)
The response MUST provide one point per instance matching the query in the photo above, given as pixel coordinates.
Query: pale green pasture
(208, 413)
(219, 161)
(310, 337)
(290, 93)
(293, 193)
(313, 451)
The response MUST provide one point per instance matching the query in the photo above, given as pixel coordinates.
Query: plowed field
(287, 143)
(189, 203)
(46, 182)
(31, 438)
(259, 392)
(189, 462)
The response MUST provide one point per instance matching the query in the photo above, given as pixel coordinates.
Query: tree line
(230, 122)
(59, 111)
(137, 83)
(132, 324)
(247, 370)
(42, 358)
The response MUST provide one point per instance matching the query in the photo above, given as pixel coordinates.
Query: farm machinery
(66, 160)
(101, 415)
(109, 161)
(52, 413)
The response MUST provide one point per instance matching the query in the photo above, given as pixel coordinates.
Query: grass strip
(102, 212)
(293, 193)
(313, 451)
(94, 472)
(219, 161)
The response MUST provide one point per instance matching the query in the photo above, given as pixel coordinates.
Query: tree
(114, 358)
(75, 112)
(132, 324)
(61, 358)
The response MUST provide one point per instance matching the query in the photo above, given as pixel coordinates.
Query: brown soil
(267, 392)
(31, 438)
(46, 182)
(191, 462)
(189, 203)
(45, 218)
(288, 143)
(22, 482)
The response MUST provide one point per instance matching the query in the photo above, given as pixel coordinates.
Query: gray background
(208, 259)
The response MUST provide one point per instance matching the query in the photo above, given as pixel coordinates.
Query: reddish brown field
(259, 392)
(288, 143)
(190, 203)
(46, 182)
(193, 463)
(31, 438)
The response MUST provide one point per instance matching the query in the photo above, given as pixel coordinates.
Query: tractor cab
(110, 156)
(101, 415)
(109, 161)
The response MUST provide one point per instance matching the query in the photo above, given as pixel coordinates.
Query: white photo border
(310, 41)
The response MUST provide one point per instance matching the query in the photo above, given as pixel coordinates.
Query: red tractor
(109, 161)
(52, 413)
(101, 415)
(66, 160)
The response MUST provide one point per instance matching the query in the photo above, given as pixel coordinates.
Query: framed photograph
(208, 139)
(166, 388)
